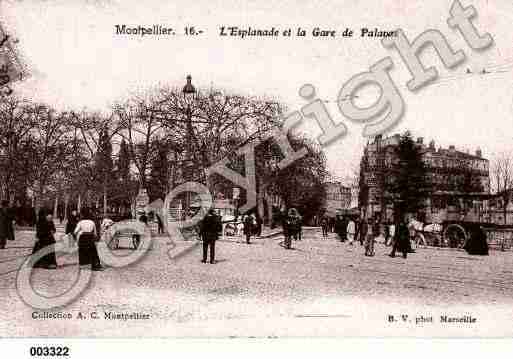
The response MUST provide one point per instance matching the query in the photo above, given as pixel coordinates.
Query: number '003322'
(49, 351)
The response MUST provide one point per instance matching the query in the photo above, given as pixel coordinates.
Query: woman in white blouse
(87, 236)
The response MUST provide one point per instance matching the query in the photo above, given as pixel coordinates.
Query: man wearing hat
(210, 228)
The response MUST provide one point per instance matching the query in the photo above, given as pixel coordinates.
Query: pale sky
(77, 61)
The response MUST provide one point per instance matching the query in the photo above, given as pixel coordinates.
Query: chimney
(452, 149)
(479, 153)
(420, 140)
(432, 145)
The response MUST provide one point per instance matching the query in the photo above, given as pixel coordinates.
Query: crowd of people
(85, 230)
(82, 229)
(211, 227)
(366, 231)
(398, 235)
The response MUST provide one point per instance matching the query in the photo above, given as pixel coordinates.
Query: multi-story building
(338, 197)
(460, 180)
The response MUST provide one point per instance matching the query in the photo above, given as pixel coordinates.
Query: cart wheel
(455, 236)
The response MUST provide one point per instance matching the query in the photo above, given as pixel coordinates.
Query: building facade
(460, 180)
(338, 197)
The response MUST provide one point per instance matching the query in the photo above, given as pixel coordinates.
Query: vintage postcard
(251, 169)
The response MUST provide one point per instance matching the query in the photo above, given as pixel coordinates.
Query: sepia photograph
(250, 169)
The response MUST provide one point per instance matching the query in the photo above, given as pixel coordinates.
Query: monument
(141, 201)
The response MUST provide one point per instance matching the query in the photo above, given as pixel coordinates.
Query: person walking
(285, 226)
(477, 243)
(87, 236)
(248, 227)
(331, 225)
(337, 225)
(371, 237)
(299, 227)
(324, 226)
(411, 224)
(401, 241)
(389, 234)
(209, 231)
(351, 231)
(368, 238)
(259, 224)
(6, 224)
(292, 227)
(341, 227)
(45, 231)
(71, 224)
(160, 224)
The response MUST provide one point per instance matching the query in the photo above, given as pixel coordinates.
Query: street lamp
(189, 95)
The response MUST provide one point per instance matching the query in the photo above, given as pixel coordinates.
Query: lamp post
(189, 95)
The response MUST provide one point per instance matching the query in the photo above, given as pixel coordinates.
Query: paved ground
(322, 287)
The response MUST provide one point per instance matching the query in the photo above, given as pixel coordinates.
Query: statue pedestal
(141, 201)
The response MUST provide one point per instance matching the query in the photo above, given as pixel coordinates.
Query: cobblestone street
(321, 287)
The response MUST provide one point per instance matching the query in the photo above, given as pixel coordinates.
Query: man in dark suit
(210, 228)
(6, 224)
(341, 227)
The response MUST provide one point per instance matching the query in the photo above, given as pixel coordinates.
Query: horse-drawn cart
(455, 234)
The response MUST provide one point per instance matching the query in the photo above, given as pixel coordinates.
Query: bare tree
(16, 125)
(501, 171)
(51, 146)
(221, 123)
(91, 132)
(142, 130)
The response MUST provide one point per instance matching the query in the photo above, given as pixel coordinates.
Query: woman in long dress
(477, 243)
(45, 231)
(370, 237)
(87, 236)
(248, 227)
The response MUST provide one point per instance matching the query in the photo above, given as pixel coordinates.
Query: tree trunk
(260, 202)
(39, 196)
(269, 210)
(104, 201)
(66, 202)
(55, 206)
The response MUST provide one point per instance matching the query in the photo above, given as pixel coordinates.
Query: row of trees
(501, 180)
(102, 159)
